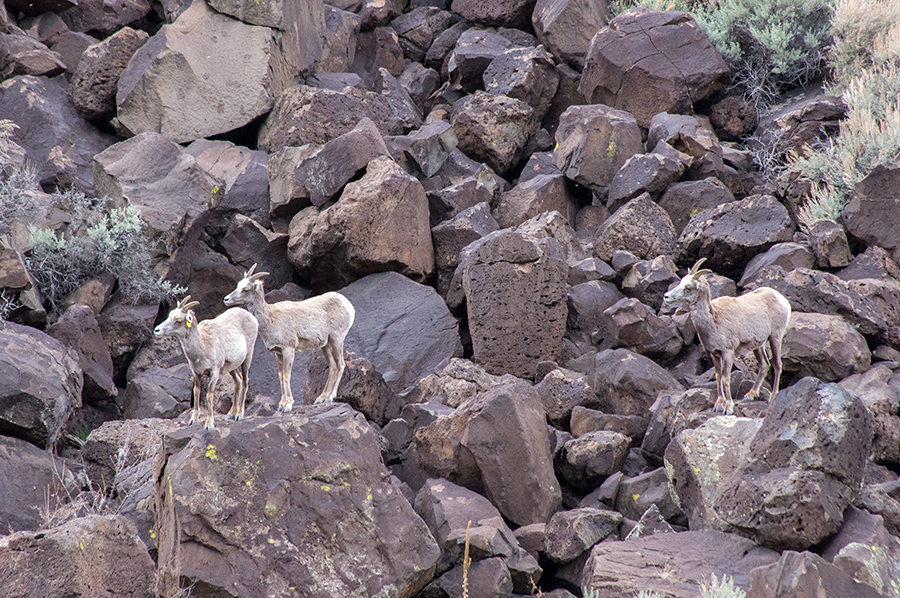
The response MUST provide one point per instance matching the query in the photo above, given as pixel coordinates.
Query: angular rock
(304, 114)
(451, 236)
(802, 120)
(673, 412)
(339, 47)
(691, 137)
(829, 244)
(71, 45)
(731, 234)
(200, 51)
(453, 385)
(824, 346)
(347, 504)
(651, 173)
(565, 27)
(590, 269)
(698, 460)
(88, 556)
(585, 461)
(402, 327)
(377, 51)
(428, 147)
(639, 493)
(126, 327)
(593, 143)
(418, 28)
(569, 533)
(788, 256)
(874, 203)
(804, 467)
(40, 387)
(419, 82)
(58, 141)
(498, 446)
(643, 49)
(516, 312)
(489, 577)
(163, 182)
(874, 262)
(616, 568)
(78, 330)
(648, 280)
(375, 13)
(24, 55)
(805, 574)
(563, 391)
(33, 485)
(361, 386)
(41, 6)
(635, 326)
(102, 19)
(882, 399)
(526, 74)
(526, 200)
(380, 223)
(95, 79)
(493, 129)
(587, 303)
(686, 199)
(641, 226)
(473, 52)
(505, 13)
(626, 383)
(117, 445)
(247, 242)
(734, 118)
(448, 202)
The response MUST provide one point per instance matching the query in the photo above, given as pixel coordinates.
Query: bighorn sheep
(320, 322)
(733, 325)
(218, 346)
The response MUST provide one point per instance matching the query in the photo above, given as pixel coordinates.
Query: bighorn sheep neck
(729, 326)
(286, 327)
(218, 346)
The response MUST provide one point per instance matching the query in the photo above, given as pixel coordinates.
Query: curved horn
(249, 272)
(696, 267)
(190, 305)
(258, 275)
(182, 303)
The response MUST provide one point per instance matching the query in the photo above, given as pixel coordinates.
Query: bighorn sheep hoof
(285, 408)
(324, 400)
(210, 426)
(718, 409)
(238, 418)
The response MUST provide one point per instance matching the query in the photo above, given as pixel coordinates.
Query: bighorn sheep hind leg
(775, 345)
(236, 406)
(211, 399)
(287, 364)
(763, 362)
(195, 400)
(335, 369)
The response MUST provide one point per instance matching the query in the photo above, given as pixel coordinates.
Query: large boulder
(824, 346)
(527, 74)
(418, 28)
(685, 199)
(211, 56)
(472, 52)
(877, 388)
(652, 173)
(875, 203)
(304, 114)
(805, 465)
(698, 460)
(88, 556)
(79, 330)
(101, 19)
(226, 494)
(172, 192)
(243, 172)
(23, 55)
(691, 138)
(504, 13)
(95, 79)
(730, 234)
(451, 236)
(565, 27)
(570, 533)
(617, 568)
(34, 484)
(641, 226)
(496, 443)
(635, 326)
(514, 284)
(805, 574)
(379, 223)
(665, 53)
(494, 129)
(543, 193)
(788, 256)
(593, 142)
(57, 140)
(402, 327)
(40, 386)
(625, 383)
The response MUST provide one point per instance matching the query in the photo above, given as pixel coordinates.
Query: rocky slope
(504, 191)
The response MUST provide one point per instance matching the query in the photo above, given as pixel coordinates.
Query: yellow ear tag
(188, 323)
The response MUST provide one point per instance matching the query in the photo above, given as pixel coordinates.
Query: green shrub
(723, 588)
(868, 136)
(862, 30)
(771, 46)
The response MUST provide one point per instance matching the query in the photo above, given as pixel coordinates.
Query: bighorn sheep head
(686, 291)
(181, 319)
(247, 288)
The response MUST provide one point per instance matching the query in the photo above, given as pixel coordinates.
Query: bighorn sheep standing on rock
(320, 322)
(733, 325)
(218, 346)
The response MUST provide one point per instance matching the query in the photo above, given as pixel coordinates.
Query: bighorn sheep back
(729, 326)
(218, 346)
(286, 327)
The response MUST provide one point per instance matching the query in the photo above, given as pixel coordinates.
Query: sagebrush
(863, 30)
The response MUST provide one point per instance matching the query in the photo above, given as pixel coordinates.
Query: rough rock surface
(242, 489)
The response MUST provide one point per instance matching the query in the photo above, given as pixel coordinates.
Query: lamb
(286, 327)
(733, 325)
(218, 346)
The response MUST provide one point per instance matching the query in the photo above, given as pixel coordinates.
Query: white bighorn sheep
(286, 327)
(734, 325)
(222, 345)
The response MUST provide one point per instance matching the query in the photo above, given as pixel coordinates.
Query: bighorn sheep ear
(190, 320)
(249, 272)
(258, 275)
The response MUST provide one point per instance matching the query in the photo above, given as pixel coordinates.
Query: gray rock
(565, 27)
(688, 198)
(243, 173)
(505, 13)
(24, 55)
(788, 256)
(493, 129)
(651, 173)
(527, 74)
(339, 45)
(641, 226)
(79, 330)
(585, 461)
(829, 244)
(569, 533)
(874, 204)
(526, 200)
(95, 79)
(799, 573)
(563, 391)
(824, 346)
(635, 326)
(637, 494)
(473, 51)
(451, 236)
